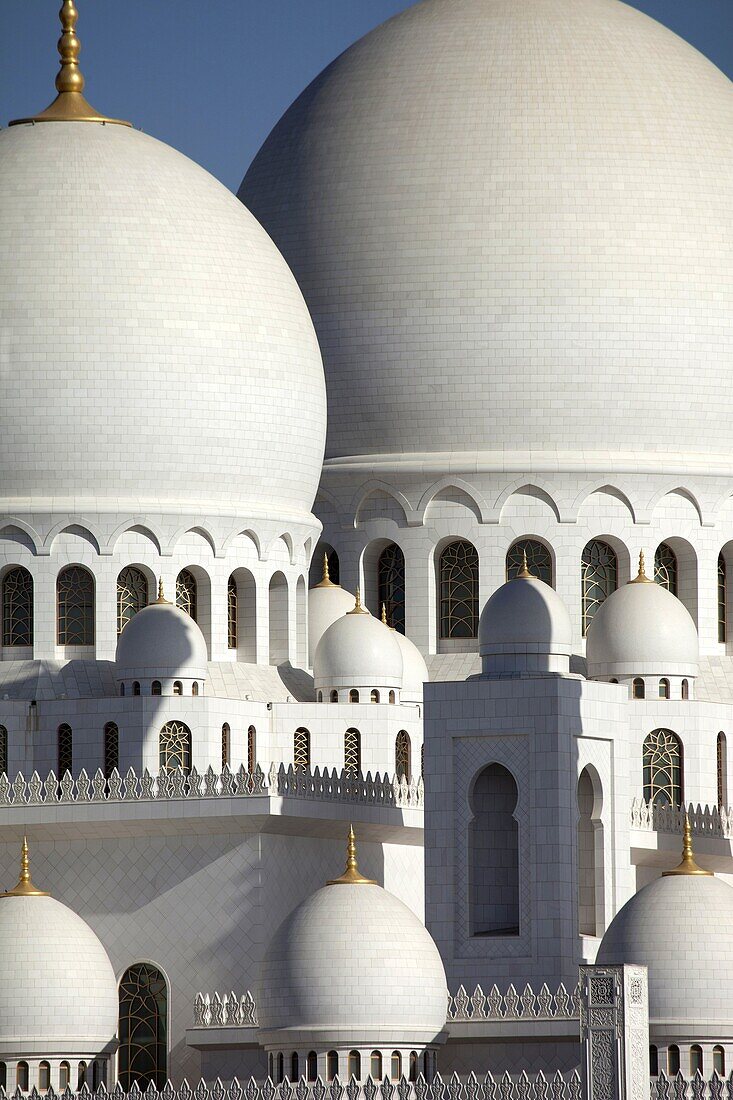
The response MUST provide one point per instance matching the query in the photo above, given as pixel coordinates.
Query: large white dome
(502, 211)
(157, 352)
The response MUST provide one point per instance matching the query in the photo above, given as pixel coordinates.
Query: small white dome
(327, 602)
(525, 627)
(161, 641)
(641, 629)
(681, 928)
(414, 670)
(358, 651)
(352, 965)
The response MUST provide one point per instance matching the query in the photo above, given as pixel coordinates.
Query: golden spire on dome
(384, 614)
(24, 887)
(69, 105)
(326, 581)
(351, 876)
(641, 577)
(357, 608)
(688, 865)
(161, 595)
(524, 573)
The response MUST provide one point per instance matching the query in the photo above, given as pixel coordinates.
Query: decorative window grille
(75, 606)
(3, 751)
(18, 608)
(458, 591)
(175, 748)
(391, 585)
(352, 752)
(301, 750)
(402, 755)
(65, 750)
(722, 601)
(599, 578)
(225, 746)
(132, 595)
(111, 749)
(232, 613)
(142, 1056)
(186, 593)
(539, 560)
(665, 567)
(251, 749)
(663, 773)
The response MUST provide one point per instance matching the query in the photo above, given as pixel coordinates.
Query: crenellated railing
(661, 818)
(224, 1010)
(377, 790)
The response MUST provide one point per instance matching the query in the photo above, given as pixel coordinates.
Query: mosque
(389, 500)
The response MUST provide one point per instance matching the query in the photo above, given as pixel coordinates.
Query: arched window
(334, 697)
(352, 752)
(539, 560)
(685, 689)
(664, 688)
(695, 1059)
(132, 595)
(3, 750)
(722, 755)
(301, 749)
(81, 1075)
(663, 771)
(332, 1065)
(722, 601)
(136, 687)
(402, 755)
(111, 749)
(18, 607)
(353, 696)
(395, 1065)
(186, 593)
(21, 1076)
(175, 748)
(122, 690)
(334, 567)
(665, 567)
(251, 749)
(44, 1076)
(225, 746)
(64, 1075)
(271, 1066)
(155, 688)
(590, 856)
(194, 688)
(391, 585)
(294, 1066)
(280, 1068)
(95, 1075)
(413, 1065)
(312, 1065)
(354, 1065)
(75, 606)
(3, 1075)
(232, 613)
(653, 1061)
(458, 590)
(392, 697)
(719, 1060)
(143, 1030)
(64, 750)
(638, 689)
(673, 1060)
(599, 578)
(374, 695)
(375, 1065)
(494, 854)
(177, 688)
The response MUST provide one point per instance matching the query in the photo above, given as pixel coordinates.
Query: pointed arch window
(665, 567)
(402, 755)
(226, 746)
(391, 585)
(251, 749)
(722, 600)
(539, 560)
(187, 593)
(143, 1028)
(65, 750)
(352, 752)
(301, 750)
(132, 595)
(232, 600)
(17, 604)
(663, 768)
(75, 606)
(111, 749)
(458, 590)
(3, 750)
(599, 578)
(175, 748)
(722, 762)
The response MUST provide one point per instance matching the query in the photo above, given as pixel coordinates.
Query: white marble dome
(358, 651)
(58, 995)
(326, 603)
(681, 928)
(161, 642)
(155, 332)
(525, 627)
(641, 629)
(414, 670)
(499, 211)
(352, 965)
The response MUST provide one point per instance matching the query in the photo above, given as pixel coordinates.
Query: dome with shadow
(161, 641)
(327, 602)
(358, 653)
(414, 670)
(525, 627)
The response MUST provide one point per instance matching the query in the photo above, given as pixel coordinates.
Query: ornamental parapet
(704, 820)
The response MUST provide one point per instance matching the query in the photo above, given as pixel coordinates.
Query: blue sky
(213, 77)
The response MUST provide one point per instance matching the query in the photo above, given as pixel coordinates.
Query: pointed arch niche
(591, 898)
(493, 841)
(242, 615)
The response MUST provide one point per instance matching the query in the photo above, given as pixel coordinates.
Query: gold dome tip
(524, 573)
(325, 581)
(688, 865)
(641, 577)
(357, 608)
(352, 875)
(161, 595)
(24, 887)
(69, 105)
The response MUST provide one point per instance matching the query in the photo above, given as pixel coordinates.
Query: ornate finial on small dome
(524, 573)
(326, 581)
(641, 577)
(688, 865)
(24, 887)
(161, 596)
(69, 105)
(352, 875)
(384, 614)
(357, 608)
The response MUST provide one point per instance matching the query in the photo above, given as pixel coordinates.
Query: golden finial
(688, 865)
(641, 577)
(326, 581)
(357, 608)
(161, 596)
(384, 614)
(352, 875)
(24, 887)
(69, 105)
(524, 573)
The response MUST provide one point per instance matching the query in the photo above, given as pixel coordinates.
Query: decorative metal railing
(704, 820)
